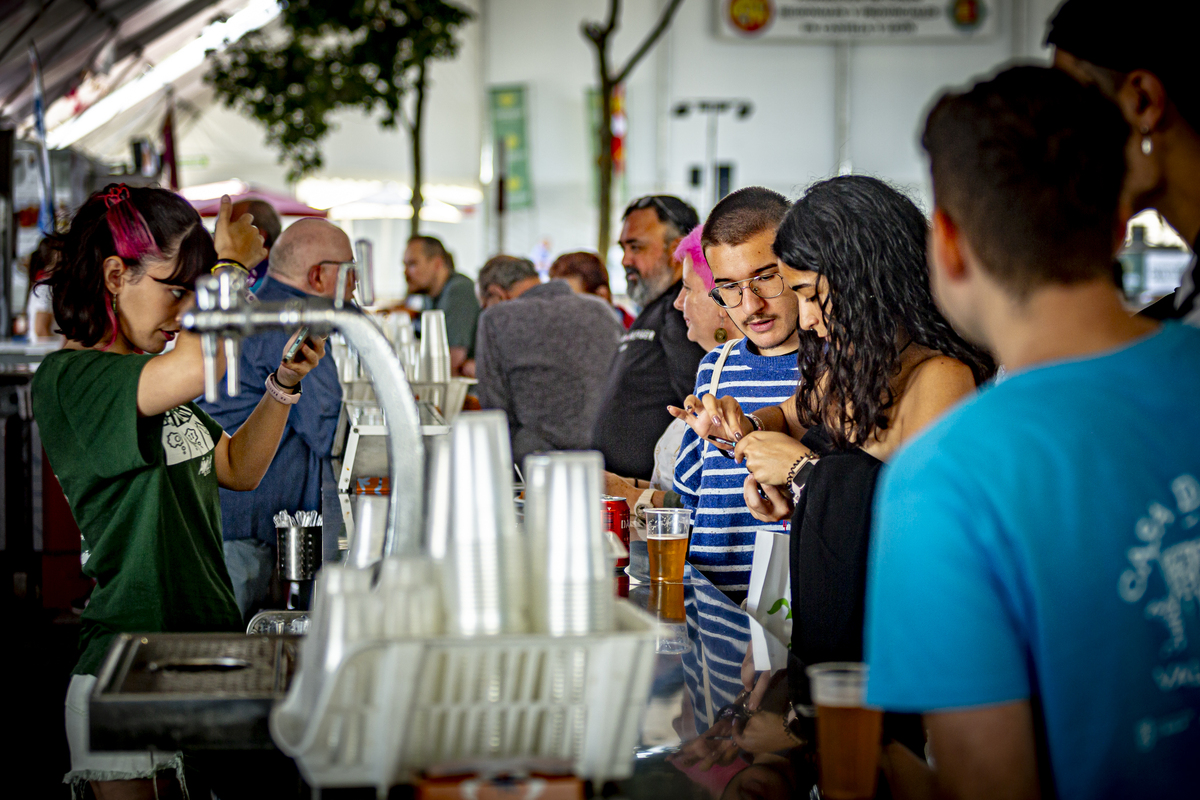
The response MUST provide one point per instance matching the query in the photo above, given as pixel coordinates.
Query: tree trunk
(605, 165)
(418, 199)
(599, 35)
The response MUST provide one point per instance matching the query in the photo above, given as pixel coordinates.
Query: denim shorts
(87, 765)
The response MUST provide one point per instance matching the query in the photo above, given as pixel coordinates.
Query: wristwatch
(644, 501)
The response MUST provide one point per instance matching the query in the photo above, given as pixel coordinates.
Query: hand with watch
(239, 244)
(283, 385)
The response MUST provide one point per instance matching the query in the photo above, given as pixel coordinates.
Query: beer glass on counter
(667, 543)
(667, 604)
(848, 733)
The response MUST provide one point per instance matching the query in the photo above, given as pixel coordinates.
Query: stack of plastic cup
(434, 364)
(438, 490)
(485, 558)
(404, 340)
(571, 566)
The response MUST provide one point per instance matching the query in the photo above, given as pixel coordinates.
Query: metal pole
(841, 106)
(501, 181)
(711, 148)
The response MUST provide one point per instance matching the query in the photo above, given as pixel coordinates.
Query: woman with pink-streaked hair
(139, 462)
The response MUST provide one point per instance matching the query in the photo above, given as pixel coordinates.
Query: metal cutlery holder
(298, 552)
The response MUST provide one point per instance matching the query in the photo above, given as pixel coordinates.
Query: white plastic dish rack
(394, 708)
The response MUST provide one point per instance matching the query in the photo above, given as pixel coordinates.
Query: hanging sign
(856, 20)
(510, 138)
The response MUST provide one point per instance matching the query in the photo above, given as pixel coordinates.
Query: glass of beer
(668, 605)
(667, 543)
(848, 733)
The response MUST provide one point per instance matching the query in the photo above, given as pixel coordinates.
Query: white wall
(787, 143)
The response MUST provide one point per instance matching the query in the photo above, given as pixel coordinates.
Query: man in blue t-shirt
(758, 371)
(1034, 579)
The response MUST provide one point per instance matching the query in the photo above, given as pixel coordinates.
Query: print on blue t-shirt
(1044, 539)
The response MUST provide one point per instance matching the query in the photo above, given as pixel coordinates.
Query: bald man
(304, 263)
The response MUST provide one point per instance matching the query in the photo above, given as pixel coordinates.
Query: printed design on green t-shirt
(184, 436)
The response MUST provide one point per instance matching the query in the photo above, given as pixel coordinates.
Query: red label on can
(616, 520)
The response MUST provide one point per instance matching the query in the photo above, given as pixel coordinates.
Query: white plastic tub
(390, 709)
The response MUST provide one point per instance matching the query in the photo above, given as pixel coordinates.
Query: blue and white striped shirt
(710, 484)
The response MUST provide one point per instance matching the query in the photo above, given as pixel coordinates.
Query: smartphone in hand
(295, 348)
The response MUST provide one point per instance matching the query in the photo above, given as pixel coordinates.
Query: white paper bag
(769, 601)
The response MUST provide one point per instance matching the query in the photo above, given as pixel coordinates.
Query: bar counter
(682, 729)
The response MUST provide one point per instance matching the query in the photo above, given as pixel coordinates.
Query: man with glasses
(656, 363)
(758, 371)
(304, 264)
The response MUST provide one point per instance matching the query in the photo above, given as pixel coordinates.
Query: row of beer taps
(225, 313)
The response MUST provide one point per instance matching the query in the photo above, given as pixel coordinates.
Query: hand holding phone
(301, 337)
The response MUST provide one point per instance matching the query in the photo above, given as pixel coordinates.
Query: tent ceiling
(72, 37)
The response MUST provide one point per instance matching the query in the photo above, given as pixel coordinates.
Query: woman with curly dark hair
(878, 363)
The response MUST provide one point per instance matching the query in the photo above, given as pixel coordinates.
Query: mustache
(760, 318)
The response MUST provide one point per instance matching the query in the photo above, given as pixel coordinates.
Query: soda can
(616, 520)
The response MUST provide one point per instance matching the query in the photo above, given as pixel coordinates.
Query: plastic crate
(391, 709)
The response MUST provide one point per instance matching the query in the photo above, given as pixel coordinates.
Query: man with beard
(656, 363)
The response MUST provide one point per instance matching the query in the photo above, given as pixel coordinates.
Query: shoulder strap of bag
(720, 365)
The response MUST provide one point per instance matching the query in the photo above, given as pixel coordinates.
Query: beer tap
(223, 291)
(220, 313)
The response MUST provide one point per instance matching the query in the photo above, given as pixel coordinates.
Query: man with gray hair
(656, 363)
(304, 264)
(542, 354)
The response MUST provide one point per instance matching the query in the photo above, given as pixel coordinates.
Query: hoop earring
(721, 335)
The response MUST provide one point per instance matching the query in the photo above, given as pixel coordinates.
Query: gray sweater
(543, 358)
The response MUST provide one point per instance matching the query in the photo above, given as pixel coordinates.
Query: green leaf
(781, 603)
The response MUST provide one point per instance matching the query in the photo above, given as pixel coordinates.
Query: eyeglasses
(670, 210)
(729, 295)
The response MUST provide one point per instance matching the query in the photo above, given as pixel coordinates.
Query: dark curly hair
(868, 241)
(132, 223)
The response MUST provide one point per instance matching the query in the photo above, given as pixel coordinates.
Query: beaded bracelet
(229, 262)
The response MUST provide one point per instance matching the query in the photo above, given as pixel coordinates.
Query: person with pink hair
(708, 325)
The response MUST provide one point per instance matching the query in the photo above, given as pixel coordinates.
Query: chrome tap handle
(231, 297)
(339, 293)
(364, 272)
(233, 355)
(208, 289)
(208, 348)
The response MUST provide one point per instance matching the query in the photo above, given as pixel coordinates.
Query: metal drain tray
(172, 691)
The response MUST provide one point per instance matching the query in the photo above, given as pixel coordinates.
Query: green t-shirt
(458, 300)
(144, 493)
